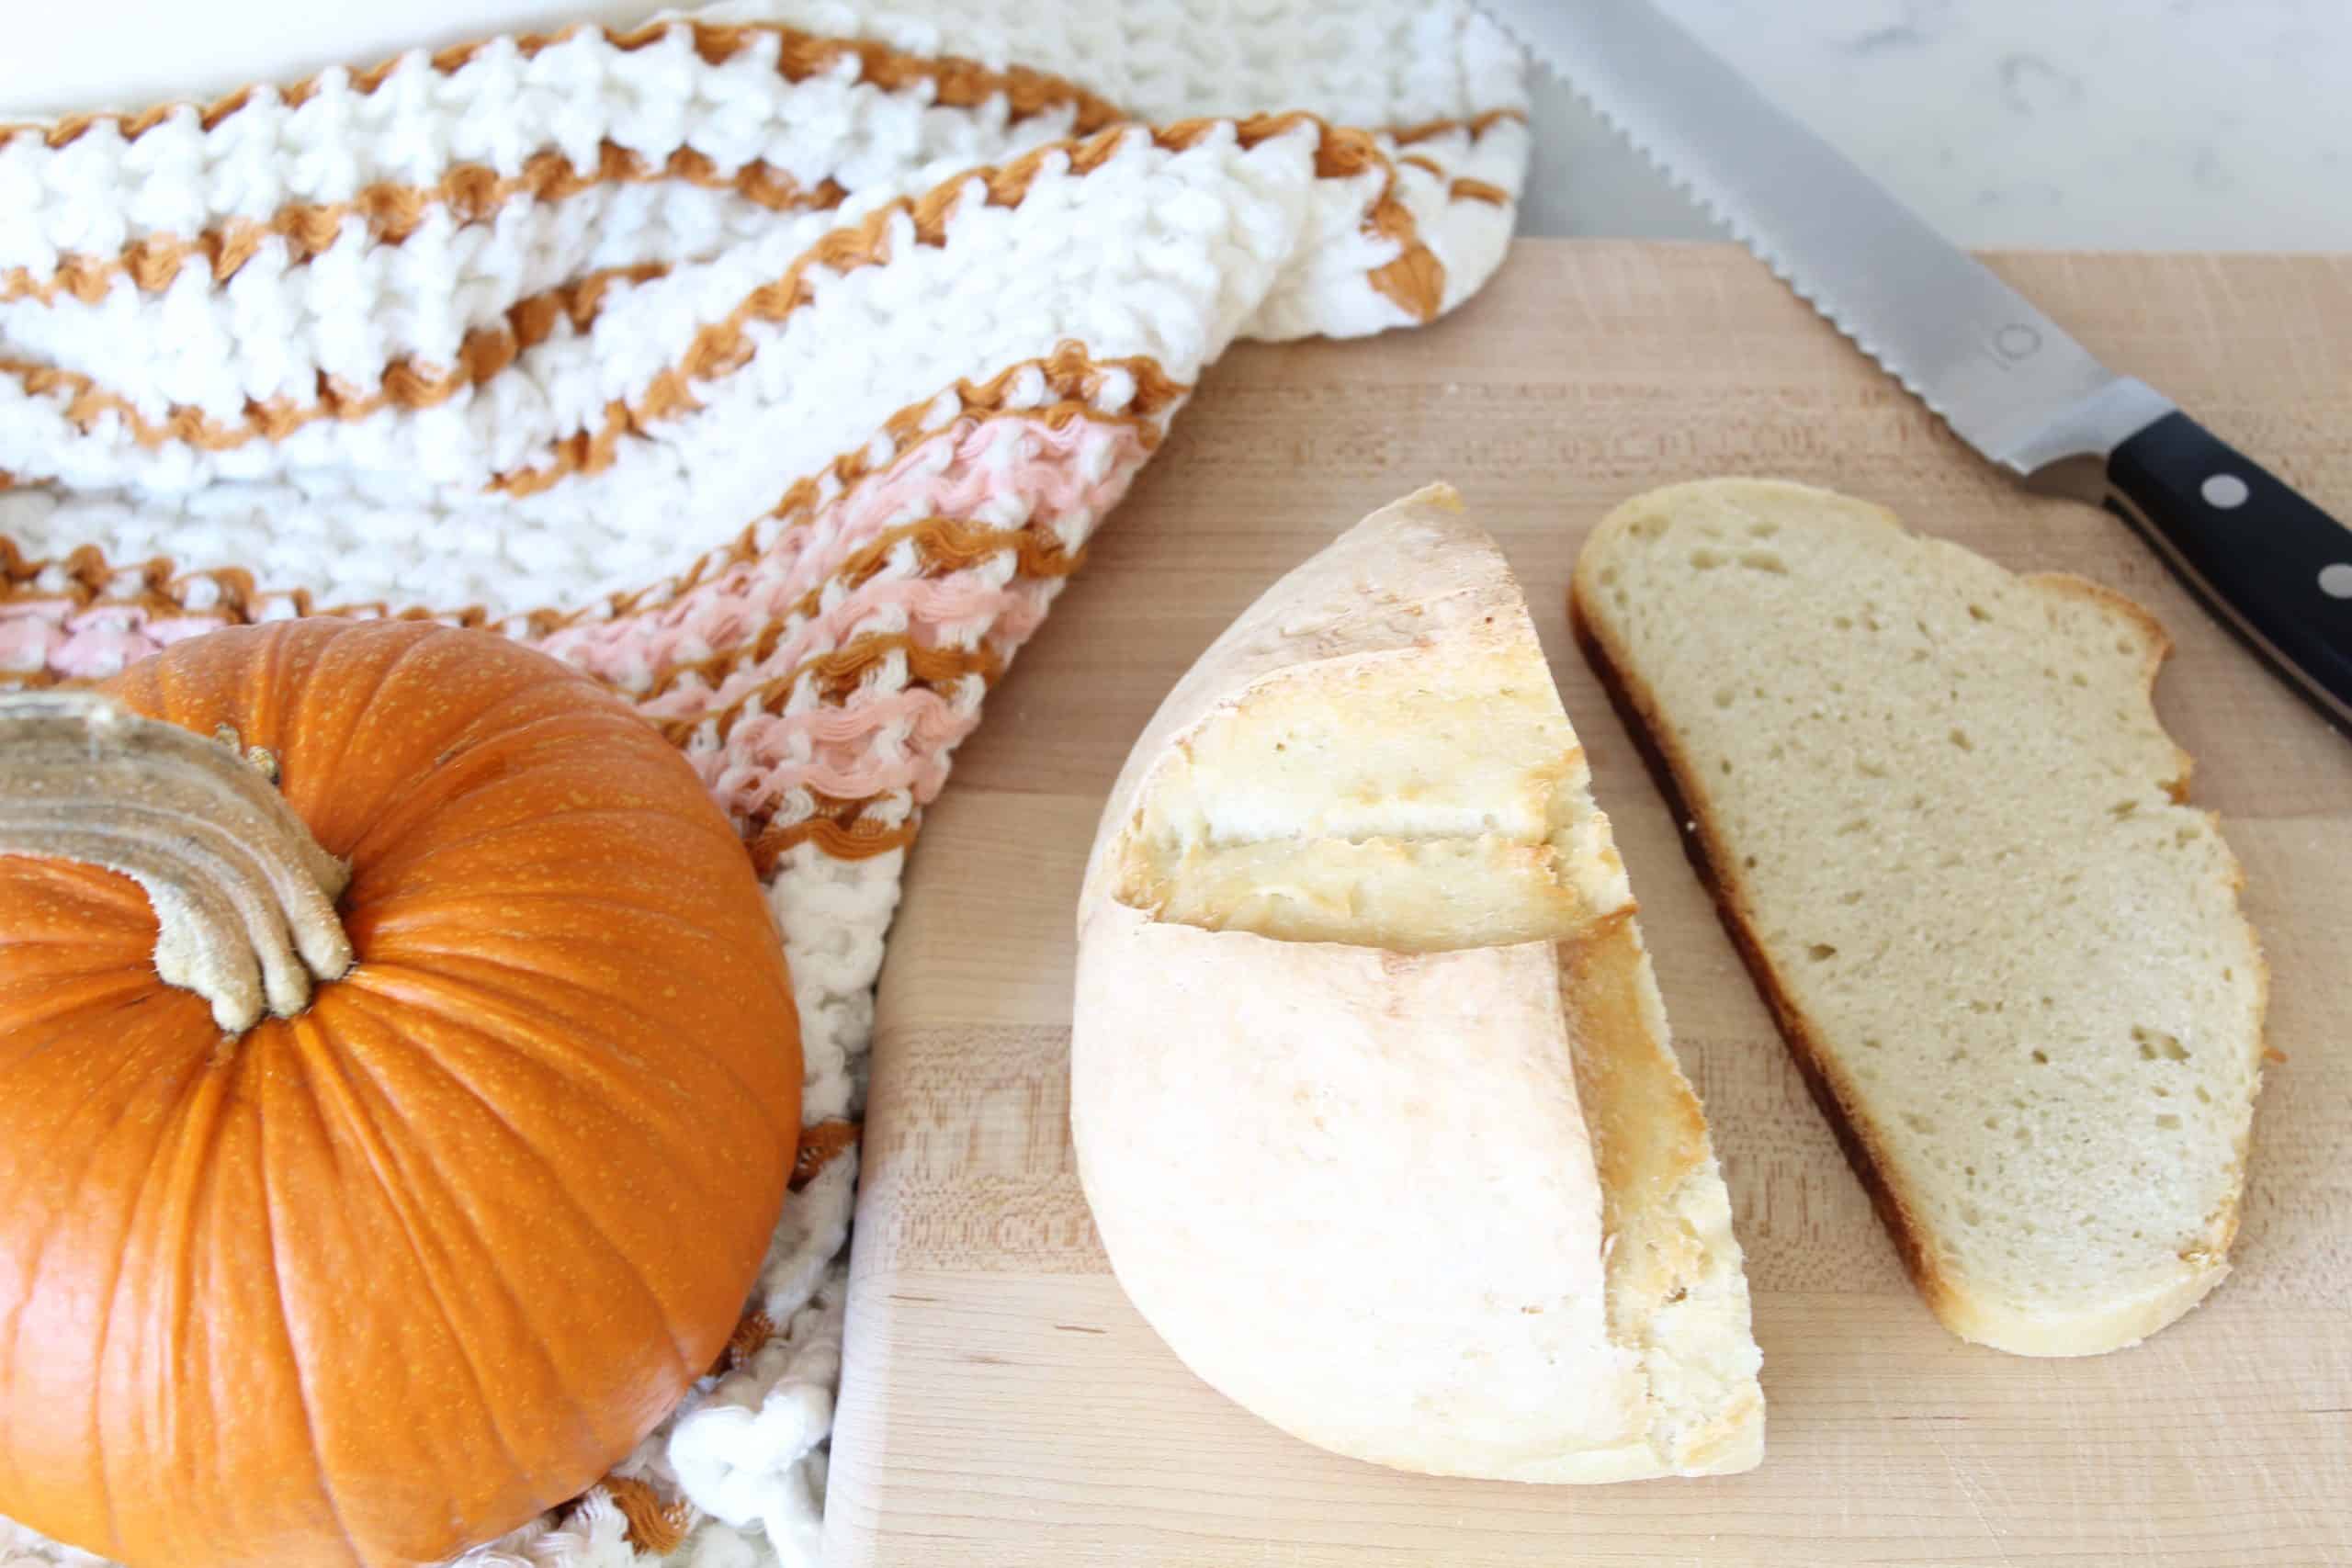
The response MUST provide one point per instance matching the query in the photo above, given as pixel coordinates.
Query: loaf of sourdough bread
(1370, 1087)
(1944, 826)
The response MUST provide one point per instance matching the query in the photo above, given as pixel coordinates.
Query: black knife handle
(2271, 565)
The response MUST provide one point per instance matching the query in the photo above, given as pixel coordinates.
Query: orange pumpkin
(390, 1269)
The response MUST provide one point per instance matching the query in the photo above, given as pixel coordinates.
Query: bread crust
(1864, 1146)
(1451, 1211)
(1636, 709)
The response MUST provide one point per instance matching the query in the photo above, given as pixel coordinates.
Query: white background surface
(2162, 124)
(2100, 124)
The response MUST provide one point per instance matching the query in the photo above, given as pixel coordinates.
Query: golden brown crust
(1648, 1132)
(1679, 782)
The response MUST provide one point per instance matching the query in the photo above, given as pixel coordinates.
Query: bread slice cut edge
(2115, 1323)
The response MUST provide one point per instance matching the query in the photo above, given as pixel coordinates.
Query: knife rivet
(2224, 491)
(2015, 341)
(2335, 581)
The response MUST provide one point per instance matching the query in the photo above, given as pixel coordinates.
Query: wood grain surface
(1003, 1405)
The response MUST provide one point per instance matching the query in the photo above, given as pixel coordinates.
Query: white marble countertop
(2123, 124)
(2092, 124)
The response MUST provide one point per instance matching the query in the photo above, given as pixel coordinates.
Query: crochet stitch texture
(774, 363)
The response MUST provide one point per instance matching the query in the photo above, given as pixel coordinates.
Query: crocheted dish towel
(774, 363)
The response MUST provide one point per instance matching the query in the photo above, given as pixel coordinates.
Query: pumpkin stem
(243, 895)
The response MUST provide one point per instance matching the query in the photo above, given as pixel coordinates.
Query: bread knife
(2009, 381)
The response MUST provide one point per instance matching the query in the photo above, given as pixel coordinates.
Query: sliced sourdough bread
(1946, 830)
(1370, 1086)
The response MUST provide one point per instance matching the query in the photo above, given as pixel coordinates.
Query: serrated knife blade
(2003, 375)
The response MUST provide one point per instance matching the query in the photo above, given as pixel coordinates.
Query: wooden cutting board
(1001, 1403)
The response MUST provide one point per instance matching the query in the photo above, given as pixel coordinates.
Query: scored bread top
(1372, 752)
(1941, 815)
(1399, 1181)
